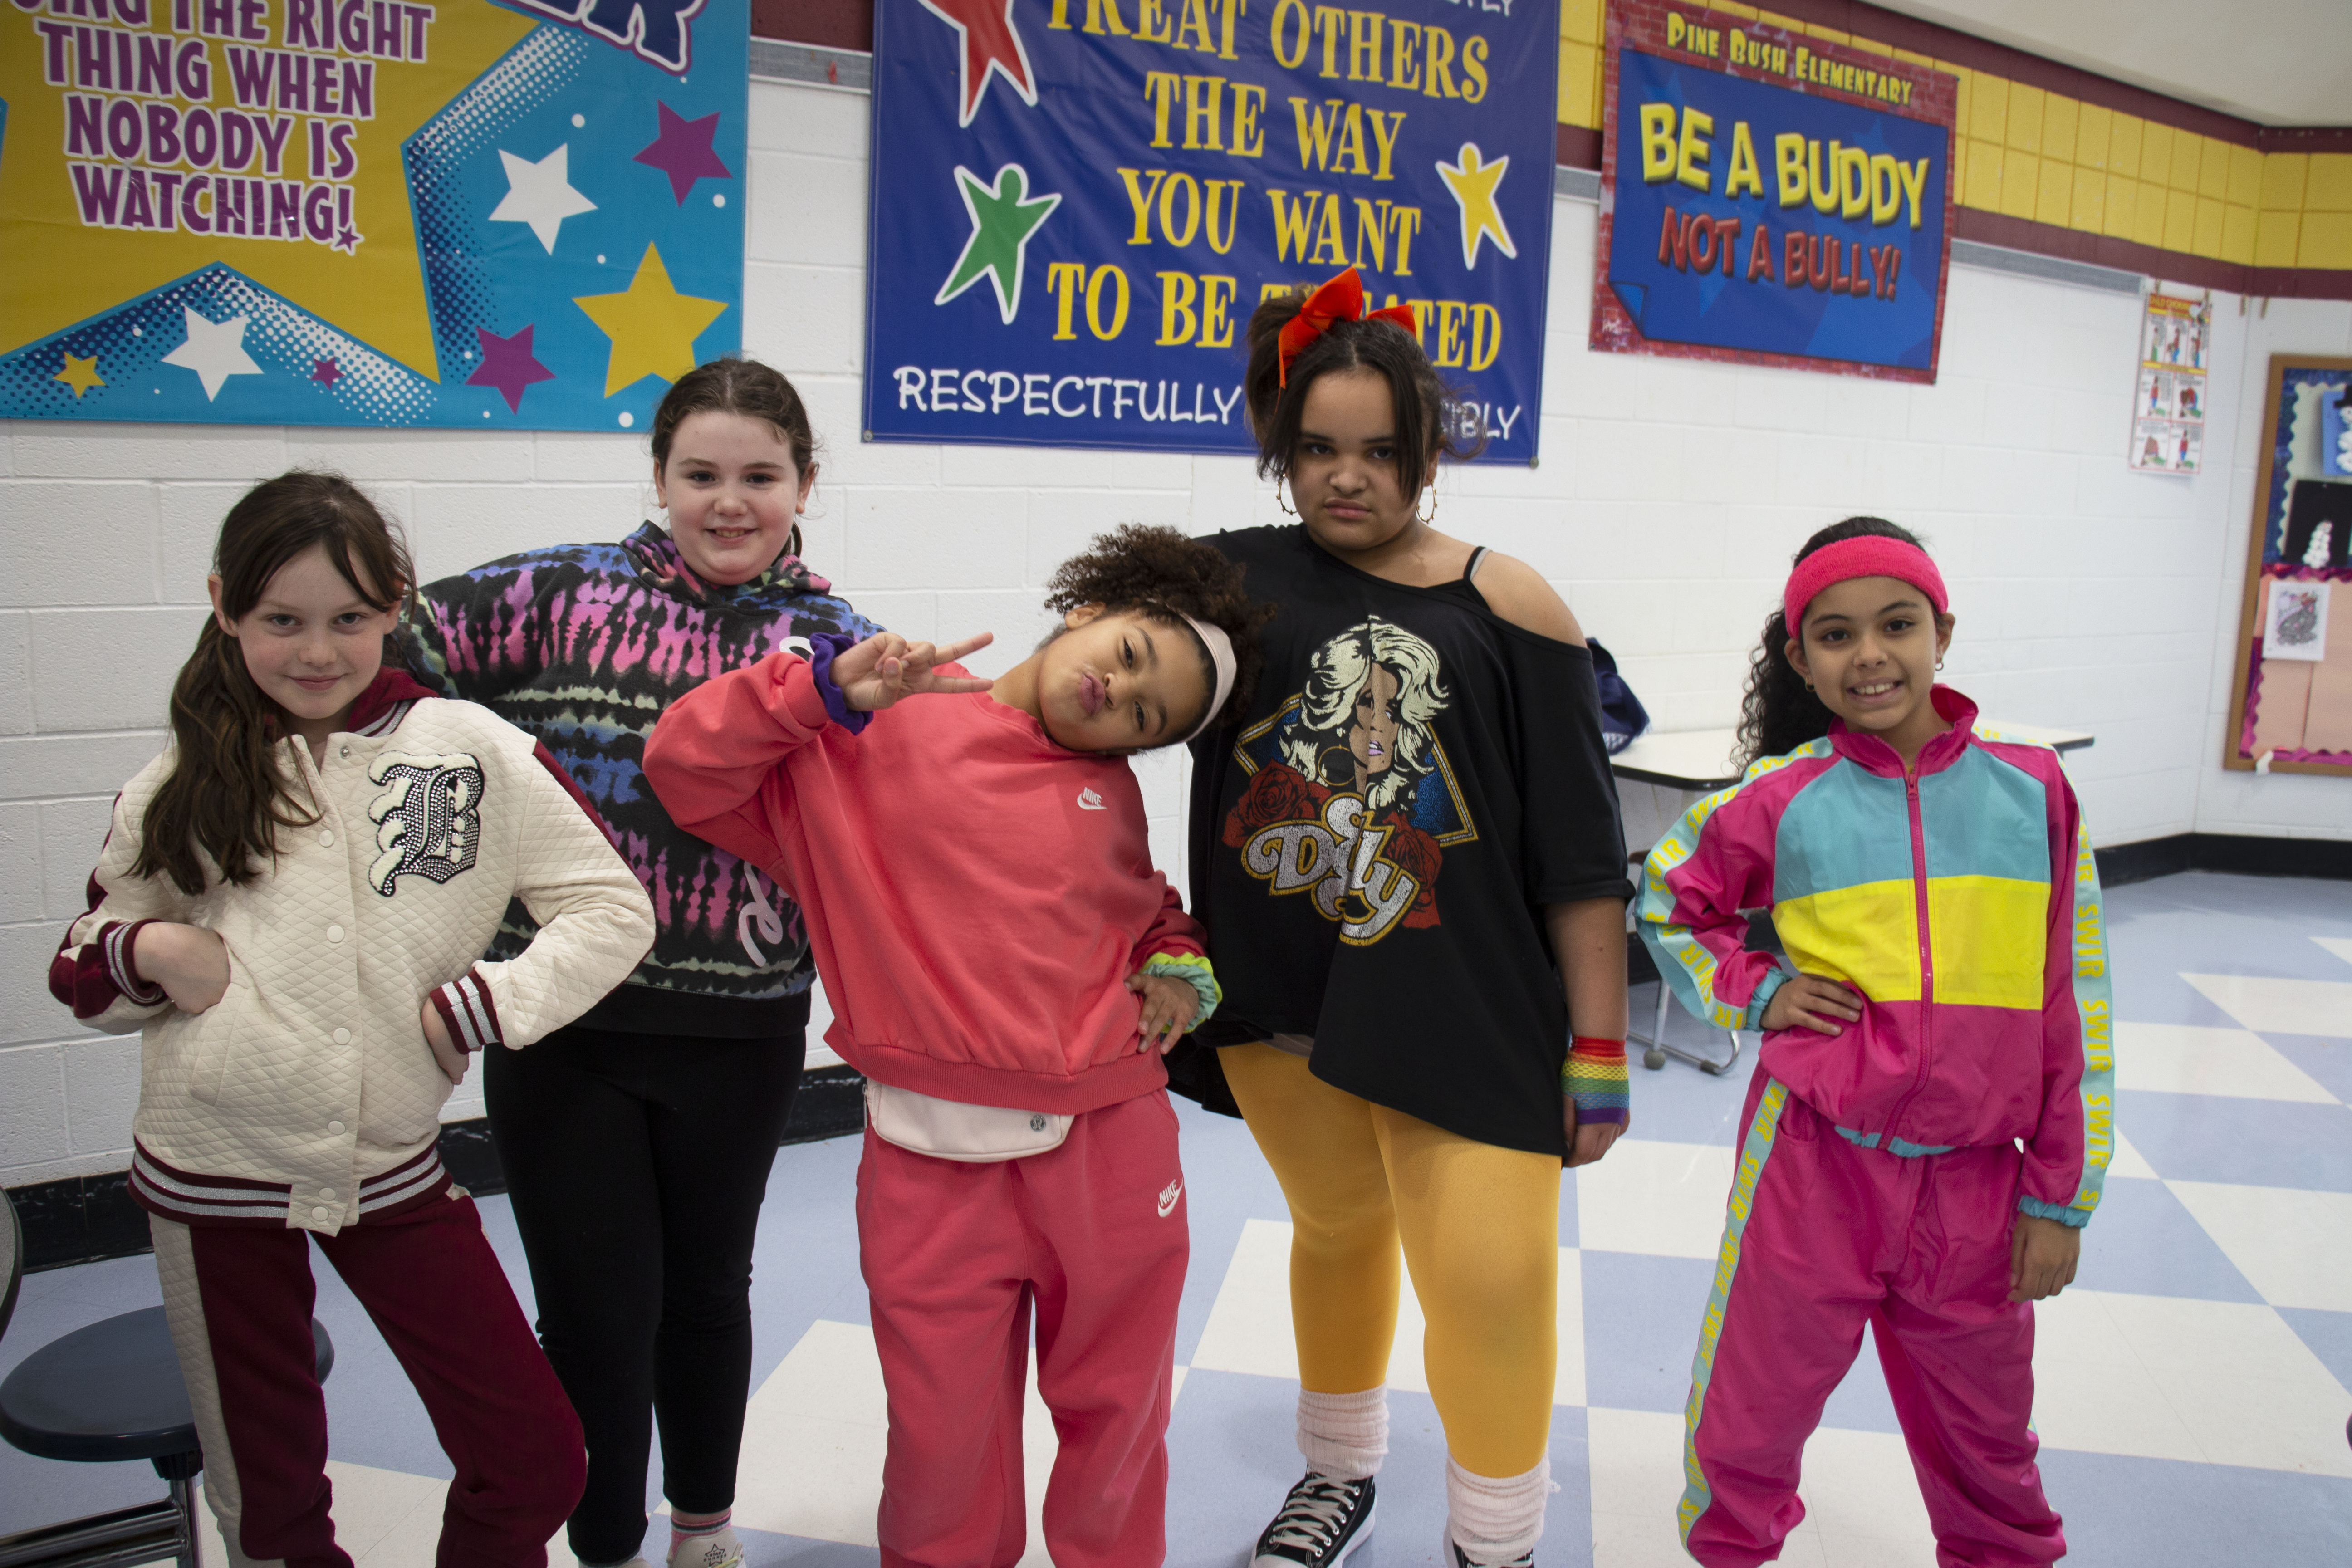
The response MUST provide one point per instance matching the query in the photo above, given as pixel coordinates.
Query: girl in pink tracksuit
(1933, 1110)
(1006, 969)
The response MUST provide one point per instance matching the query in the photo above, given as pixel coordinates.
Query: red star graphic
(991, 43)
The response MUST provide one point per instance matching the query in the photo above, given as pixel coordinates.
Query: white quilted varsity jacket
(308, 1097)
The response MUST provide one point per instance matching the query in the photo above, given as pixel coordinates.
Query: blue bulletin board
(467, 214)
(1076, 205)
(1771, 198)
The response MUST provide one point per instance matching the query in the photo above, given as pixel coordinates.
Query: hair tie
(1220, 656)
(1340, 299)
(1868, 555)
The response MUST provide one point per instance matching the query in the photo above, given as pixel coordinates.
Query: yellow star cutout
(1472, 184)
(653, 326)
(79, 373)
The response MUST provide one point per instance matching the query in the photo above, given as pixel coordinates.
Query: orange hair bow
(1340, 299)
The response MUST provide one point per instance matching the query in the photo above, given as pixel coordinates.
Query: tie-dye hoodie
(583, 645)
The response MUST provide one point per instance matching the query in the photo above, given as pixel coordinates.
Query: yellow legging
(1480, 1227)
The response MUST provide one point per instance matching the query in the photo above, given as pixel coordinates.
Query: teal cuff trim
(2078, 1218)
(1194, 971)
(1901, 1148)
(1773, 980)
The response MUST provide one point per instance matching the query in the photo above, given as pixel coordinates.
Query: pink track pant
(1093, 1237)
(1825, 1236)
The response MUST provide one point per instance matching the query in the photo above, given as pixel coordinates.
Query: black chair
(103, 1395)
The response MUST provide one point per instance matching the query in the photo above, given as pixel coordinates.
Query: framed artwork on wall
(2291, 699)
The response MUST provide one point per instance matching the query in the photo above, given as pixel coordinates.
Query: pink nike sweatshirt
(976, 895)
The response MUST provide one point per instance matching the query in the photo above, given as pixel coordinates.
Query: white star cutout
(215, 351)
(541, 194)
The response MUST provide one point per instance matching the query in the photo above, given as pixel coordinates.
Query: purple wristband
(823, 648)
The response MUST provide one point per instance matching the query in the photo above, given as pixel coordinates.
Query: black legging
(636, 1164)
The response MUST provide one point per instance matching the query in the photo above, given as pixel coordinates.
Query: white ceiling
(2277, 62)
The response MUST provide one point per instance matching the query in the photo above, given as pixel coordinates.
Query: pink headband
(1866, 556)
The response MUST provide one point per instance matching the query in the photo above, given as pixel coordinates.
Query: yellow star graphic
(79, 373)
(653, 326)
(1472, 184)
(377, 294)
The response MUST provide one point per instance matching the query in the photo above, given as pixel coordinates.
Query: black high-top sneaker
(1462, 1559)
(1321, 1524)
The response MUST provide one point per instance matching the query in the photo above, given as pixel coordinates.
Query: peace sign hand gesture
(886, 667)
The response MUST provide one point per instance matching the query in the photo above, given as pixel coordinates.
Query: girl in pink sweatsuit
(1006, 968)
(1933, 1107)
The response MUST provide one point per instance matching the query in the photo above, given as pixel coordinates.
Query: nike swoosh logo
(1174, 1191)
(1089, 801)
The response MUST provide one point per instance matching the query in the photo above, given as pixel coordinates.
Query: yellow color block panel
(2326, 240)
(2188, 160)
(1983, 187)
(2274, 238)
(2282, 181)
(2237, 235)
(2179, 231)
(2021, 184)
(1960, 175)
(1986, 936)
(2147, 223)
(2024, 129)
(2092, 132)
(1748, 12)
(2214, 170)
(2207, 237)
(1914, 56)
(2155, 153)
(2089, 211)
(2123, 144)
(1580, 21)
(2059, 115)
(2123, 206)
(2328, 188)
(1579, 85)
(1868, 935)
(1988, 108)
(2054, 201)
(2245, 176)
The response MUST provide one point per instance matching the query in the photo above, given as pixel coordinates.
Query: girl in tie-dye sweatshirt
(637, 1143)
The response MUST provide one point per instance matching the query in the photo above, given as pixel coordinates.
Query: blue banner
(1076, 205)
(1772, 202)
(369, 212)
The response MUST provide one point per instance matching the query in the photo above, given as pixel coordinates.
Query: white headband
(1221, 654)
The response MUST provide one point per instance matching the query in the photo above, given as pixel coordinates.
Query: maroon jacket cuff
(467, 1013)
(92, 977)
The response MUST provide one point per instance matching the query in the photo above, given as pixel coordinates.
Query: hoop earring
(1939, 664)
(1432, 493)
(1281, 501)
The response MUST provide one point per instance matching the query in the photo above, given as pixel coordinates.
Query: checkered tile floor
(2192, 1386)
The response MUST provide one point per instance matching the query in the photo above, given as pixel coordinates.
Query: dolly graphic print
(1350, 800)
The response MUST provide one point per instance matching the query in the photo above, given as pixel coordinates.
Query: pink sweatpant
(1825, 1236)
(1093, 1237)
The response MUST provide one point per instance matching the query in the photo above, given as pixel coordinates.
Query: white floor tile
(2341, 946)
(1666, 1199)
(2127, 1161)
(1249, 1328)
(2293, 1245)
(384, 1519)
(2182, 1058)
(2281, 1006)
(1862, 1501)
(2219, 1383)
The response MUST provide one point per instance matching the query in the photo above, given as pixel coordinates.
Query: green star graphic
(1001, 222)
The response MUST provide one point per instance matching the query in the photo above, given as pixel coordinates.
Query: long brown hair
(226, 796)
(743, 387)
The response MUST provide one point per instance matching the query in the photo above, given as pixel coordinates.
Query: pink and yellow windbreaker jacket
(1963, 904)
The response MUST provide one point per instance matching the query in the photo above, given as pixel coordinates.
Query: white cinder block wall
(1670, 497)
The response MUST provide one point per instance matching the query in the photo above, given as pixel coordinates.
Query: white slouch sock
(1495, 1520)
(1345, 1436)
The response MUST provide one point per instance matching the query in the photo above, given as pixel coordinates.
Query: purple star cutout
(508, 366)
(326, 369)
(347, 241)
(683, 152)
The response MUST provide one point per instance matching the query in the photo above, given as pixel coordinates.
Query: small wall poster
(2296, 627)
(2168, 407)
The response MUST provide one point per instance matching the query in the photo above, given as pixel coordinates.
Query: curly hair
(1778, 713)
(1275, 408)
(1336, 678)
(1161, 572)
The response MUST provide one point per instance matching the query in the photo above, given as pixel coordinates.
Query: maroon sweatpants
(1093, 1236)
(239, 1302)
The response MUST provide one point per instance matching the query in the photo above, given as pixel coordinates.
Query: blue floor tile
(1641, 1327)
(2328, 1061)
(2255, 1142)
(2144, 1242)
(2159, 1514)
(2329, 1335)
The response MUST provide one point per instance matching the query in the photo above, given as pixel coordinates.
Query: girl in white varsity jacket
(290, 904)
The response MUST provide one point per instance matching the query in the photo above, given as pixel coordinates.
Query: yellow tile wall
(2032, 153)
